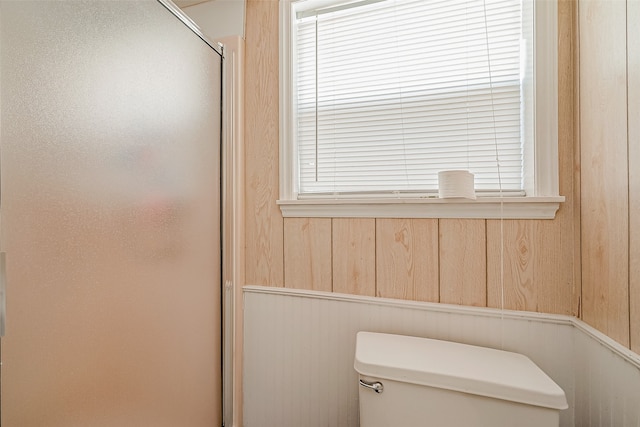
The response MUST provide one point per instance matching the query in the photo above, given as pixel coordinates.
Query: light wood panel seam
(439, 284)
(439, 261)
(578, 153)
(578, 150)
(629, 177)
(576, 181)
(629, 183)
(282, 248)
(331, 253)
(285, 244)
(375, 256)
(486, 261)
(633, 140)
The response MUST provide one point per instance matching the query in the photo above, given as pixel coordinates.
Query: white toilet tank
(410, 382)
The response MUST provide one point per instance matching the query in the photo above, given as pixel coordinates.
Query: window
(377, 96)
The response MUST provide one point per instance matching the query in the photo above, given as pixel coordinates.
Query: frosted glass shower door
(110, 175)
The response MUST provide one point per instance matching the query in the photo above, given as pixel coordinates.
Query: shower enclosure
(110, 216)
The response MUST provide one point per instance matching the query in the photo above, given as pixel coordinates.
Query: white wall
(218, 18)
(607, 381)
(299, 348)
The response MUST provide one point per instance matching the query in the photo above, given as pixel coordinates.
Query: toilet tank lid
(453, 366)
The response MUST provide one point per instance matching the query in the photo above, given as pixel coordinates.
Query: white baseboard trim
(418, 305)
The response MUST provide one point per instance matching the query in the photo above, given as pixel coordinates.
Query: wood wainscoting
(300, 345)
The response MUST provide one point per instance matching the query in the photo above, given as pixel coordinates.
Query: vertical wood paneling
(511, 243)
(563, 295)
(463, 262)
(307, 256)
(542, 258)
(354, 256)
(553, 273)
(604, 177)
(633, 69)
(407, 259)
(536, 256)
(264, 224)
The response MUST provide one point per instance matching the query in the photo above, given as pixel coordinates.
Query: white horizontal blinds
(391, 92)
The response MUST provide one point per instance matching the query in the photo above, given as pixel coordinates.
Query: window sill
(481, 208)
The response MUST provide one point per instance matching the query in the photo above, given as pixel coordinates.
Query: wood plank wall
(438, 260)
(610, 158)
(633, 111)
(263, 226)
